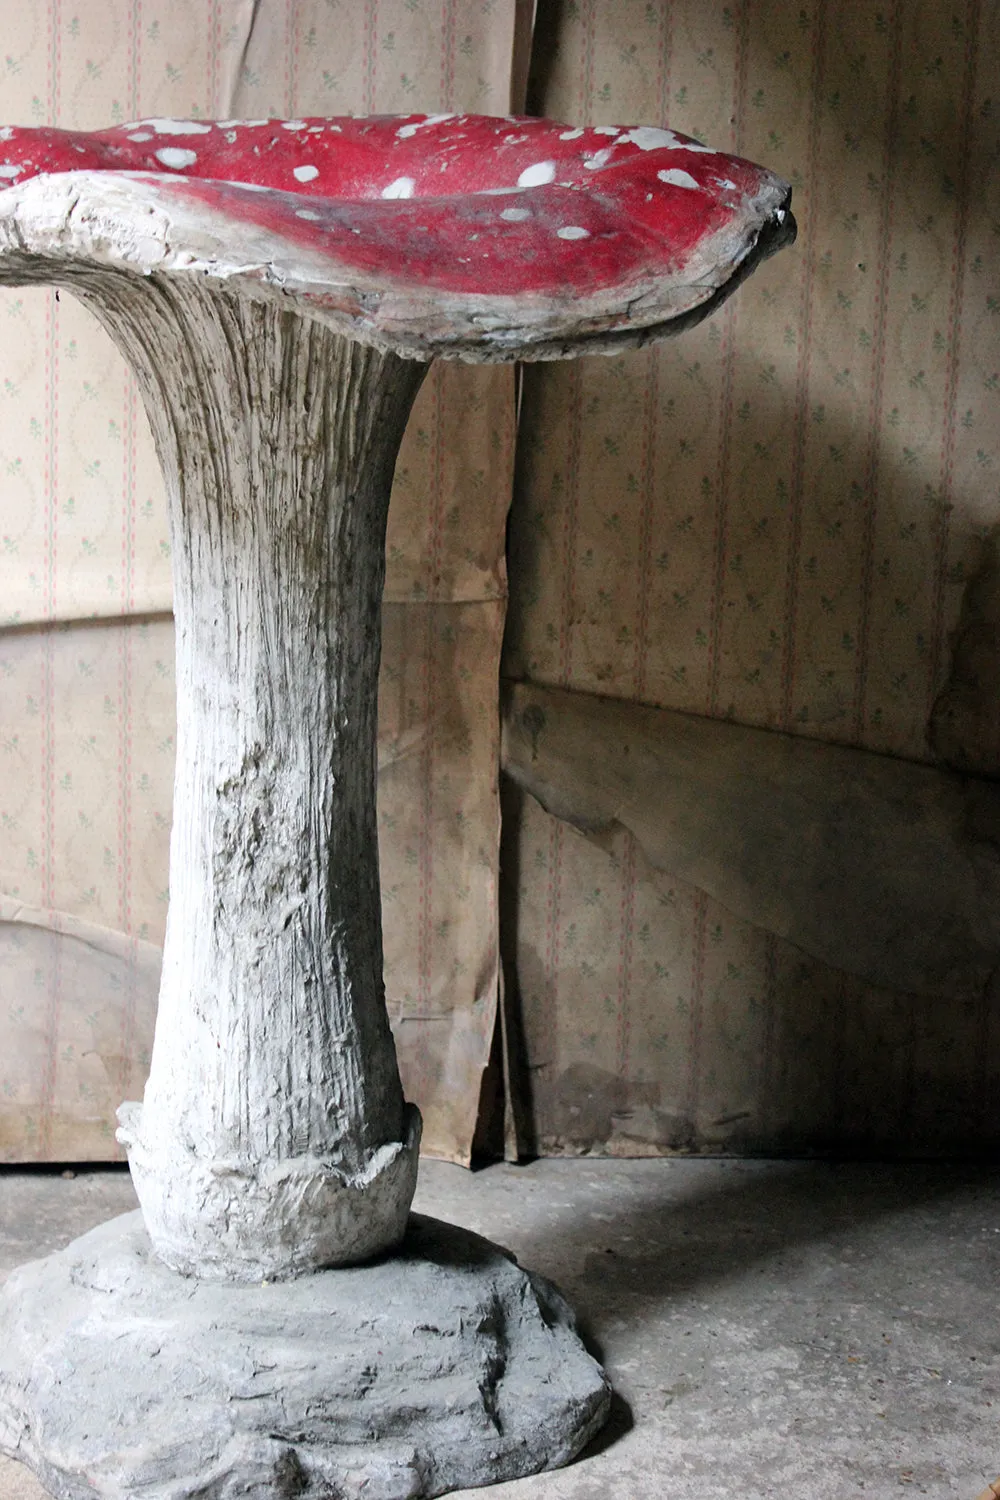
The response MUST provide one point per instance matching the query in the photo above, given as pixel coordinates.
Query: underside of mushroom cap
(441, 235)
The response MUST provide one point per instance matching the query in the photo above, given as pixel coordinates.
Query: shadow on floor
(669, 1235)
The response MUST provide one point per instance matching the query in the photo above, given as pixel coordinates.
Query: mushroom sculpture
(279, 288)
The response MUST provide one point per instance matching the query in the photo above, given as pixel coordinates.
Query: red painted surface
(508, 205)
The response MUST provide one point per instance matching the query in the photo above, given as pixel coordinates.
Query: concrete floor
(802, 1331)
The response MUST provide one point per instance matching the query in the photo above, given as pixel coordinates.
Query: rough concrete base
(441, 1366)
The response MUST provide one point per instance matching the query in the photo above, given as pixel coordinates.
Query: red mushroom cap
(462, 234)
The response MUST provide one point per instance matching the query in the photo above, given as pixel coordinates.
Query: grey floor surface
(803, 1331)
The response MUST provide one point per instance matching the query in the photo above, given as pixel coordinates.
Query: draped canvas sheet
(86, 656)
(779, 518)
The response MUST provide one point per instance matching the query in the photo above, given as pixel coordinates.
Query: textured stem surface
(273, 1137)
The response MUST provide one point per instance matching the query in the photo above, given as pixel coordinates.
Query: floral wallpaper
(787, 517)
(86, 656)
(782, 518)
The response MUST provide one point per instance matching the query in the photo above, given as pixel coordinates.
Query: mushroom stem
(273, 1137)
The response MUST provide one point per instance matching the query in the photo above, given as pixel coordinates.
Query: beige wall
(86, 732)
(785, 518)
(778, 519)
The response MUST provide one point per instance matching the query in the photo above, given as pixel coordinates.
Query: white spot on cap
(177, 127)
(573, 232)
(607, 130)
(306, 174)
(140, 135)
(652, 138)
(677, 177)
(11, 171)
(401, 188)
(308, 213)
(176, 157)
(231, 137)
(599, 158)
(405, 131)
(7, 133)
(538, 174)
(515, 215)
(571, 135)
(724, 182)
(294, 124)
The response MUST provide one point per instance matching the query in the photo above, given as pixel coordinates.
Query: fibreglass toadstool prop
(279, 288)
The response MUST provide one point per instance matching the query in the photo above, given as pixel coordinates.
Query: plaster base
(441, 1366)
